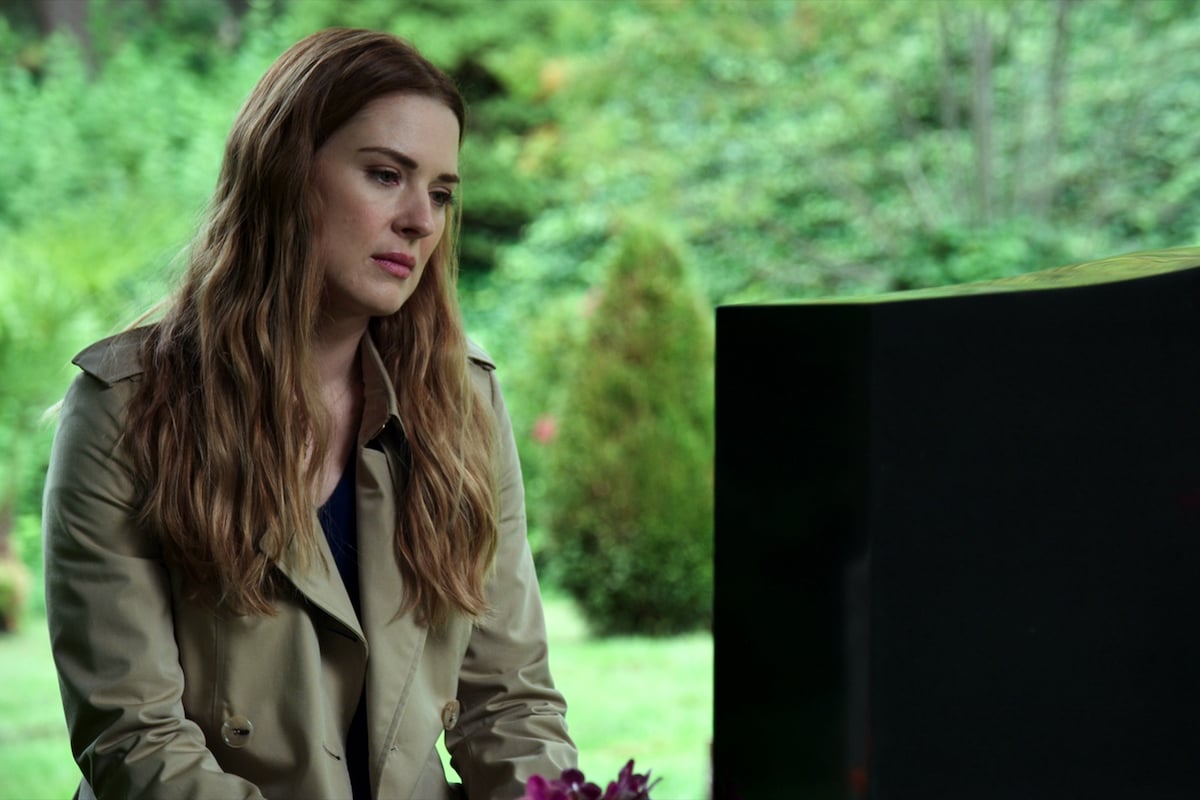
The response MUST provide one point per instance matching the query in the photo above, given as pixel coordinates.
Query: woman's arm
(513, 721)
(108, 604)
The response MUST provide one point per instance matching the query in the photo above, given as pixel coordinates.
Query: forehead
(414, 124)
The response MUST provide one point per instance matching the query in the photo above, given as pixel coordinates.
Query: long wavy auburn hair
(227, 430)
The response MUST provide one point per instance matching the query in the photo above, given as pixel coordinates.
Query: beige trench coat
(165, 699)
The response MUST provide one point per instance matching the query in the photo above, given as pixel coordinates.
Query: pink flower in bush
(545, 428)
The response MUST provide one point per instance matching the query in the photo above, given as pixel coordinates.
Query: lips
(398, 264)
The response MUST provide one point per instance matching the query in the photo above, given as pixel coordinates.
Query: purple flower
(572, 785)
(629, 786)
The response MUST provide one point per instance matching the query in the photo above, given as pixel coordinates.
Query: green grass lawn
(635, 697)
(640, 698)
(35, 759)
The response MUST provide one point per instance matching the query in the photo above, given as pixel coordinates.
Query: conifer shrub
(14, 592)
(629, 489)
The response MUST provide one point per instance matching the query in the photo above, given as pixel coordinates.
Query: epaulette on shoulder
(115, 358)
(479, 356)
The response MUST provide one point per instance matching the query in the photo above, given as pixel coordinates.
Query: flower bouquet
(571, 785)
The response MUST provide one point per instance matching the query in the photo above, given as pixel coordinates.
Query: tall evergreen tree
(630, 488)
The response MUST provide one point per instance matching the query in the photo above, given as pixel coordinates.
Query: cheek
(346, 213)
(439, 233)
(320, 241)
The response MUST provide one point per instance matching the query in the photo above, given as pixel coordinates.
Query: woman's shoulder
(115, 358)
(482, 370)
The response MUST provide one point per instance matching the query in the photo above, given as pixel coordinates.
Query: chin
(391, 307)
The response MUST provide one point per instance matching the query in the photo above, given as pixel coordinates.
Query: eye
(442, 198)
(384, 176)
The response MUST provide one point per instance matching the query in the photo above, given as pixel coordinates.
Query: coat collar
(376, 474)
(380, 407)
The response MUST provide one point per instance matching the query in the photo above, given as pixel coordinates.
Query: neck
(335, 349)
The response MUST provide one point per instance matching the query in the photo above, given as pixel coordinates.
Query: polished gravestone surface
(958, 540)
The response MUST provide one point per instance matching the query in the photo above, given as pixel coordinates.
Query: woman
(284, 524)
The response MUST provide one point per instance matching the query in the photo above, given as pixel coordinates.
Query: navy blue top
(340, 523)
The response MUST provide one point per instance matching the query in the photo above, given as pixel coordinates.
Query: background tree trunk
(982, 115)
(67, 16)
(70, 16)
(1054, 104)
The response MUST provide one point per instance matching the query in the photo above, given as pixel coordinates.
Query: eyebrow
(407, 161)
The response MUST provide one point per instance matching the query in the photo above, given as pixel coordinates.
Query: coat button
(237, 731)
(450, 714)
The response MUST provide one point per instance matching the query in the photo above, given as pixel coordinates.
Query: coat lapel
(396, 641)
(321, 584)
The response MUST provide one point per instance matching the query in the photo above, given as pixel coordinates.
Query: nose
(414, 217)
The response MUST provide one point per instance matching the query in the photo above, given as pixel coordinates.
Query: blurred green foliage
(797, 147)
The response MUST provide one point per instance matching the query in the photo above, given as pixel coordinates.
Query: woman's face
(386, 182)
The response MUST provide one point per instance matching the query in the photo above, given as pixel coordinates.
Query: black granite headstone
(958, 540)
